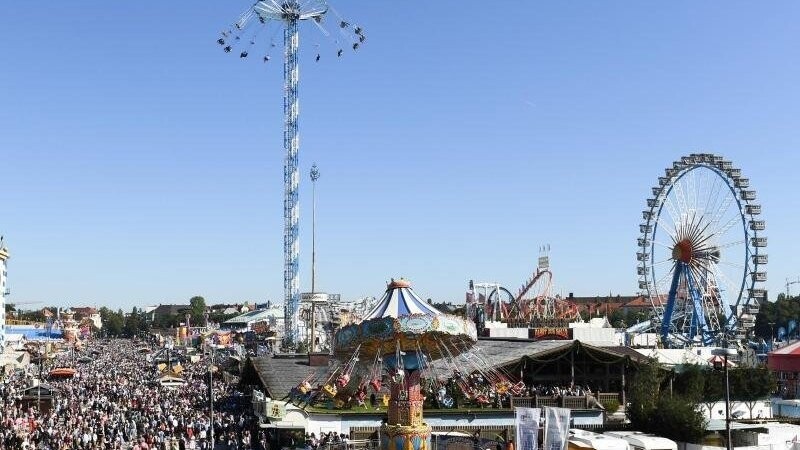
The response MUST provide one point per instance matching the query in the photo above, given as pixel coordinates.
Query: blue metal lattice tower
(288, 14)
(291, 179)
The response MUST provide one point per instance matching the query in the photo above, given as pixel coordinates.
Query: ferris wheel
(702, 253)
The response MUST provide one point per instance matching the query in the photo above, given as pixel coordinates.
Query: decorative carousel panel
(346, 336)
(378, 329)
(416, 324)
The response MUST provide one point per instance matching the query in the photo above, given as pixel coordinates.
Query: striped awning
(400, 300)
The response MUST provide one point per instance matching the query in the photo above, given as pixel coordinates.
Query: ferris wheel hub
(682, 251)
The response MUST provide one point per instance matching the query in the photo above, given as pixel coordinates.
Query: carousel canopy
(400, 300)
(403, 321)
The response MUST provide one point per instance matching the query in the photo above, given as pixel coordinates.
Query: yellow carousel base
(405, 437)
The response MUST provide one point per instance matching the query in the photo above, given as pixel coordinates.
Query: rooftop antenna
(242, 38)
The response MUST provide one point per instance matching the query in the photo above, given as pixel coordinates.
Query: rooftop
(280, 374)
(257, 315)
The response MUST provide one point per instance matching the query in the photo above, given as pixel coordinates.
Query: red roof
(638, 302)
(785, 359)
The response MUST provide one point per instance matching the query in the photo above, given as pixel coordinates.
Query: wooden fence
(571, 402)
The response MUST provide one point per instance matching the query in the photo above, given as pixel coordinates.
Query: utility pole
(726, 351)
(771, 334)
(211, 394)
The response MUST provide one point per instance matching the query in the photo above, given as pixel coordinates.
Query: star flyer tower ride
(3, 258)
(408, 335)
(243, 37)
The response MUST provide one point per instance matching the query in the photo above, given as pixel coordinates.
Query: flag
(527, 423)
(556, 428)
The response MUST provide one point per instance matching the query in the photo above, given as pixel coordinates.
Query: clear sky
(142, 165)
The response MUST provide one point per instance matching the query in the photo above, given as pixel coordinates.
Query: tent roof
(791, 349)
(400, 300)
(785, 359)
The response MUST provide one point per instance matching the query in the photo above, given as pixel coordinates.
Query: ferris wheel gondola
(701, 252)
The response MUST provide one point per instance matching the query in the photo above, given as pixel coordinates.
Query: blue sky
(141, 164)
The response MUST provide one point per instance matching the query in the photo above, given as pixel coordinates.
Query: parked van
(587, 440)
(642, 441)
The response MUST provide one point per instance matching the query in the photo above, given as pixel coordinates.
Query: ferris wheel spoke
(732, 290)
(690, 187)
(680, 198)
(730, 264)
(663, 261)
(668, 228)
(731, 244)
(661, 244)
(667, 275)
(713, 194)
(727, 225)
(673, 213)
(723, 206)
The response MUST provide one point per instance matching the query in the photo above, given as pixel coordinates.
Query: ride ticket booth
(38, 396)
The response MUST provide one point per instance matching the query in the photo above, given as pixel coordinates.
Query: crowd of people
(114, 401)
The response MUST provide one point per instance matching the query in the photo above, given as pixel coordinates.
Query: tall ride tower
(4, 255)
(242, 36)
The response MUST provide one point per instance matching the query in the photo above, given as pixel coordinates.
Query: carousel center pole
(405, 429)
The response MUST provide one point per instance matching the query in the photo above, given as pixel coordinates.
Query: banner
(556, 428)
(527, 423)
(276, 409)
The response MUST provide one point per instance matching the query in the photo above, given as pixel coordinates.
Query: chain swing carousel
(402, 336)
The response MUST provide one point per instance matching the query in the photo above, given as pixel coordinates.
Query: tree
(197, 307)
(690, 383)
(749, 385)
(643, 394)
(773, 315)
(135, 323)
(654, 411)
(678, 419)
(113, 322)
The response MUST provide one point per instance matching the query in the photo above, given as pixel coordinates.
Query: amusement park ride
(243, 37)
(421, 352)
(701, 254)
(533, 306)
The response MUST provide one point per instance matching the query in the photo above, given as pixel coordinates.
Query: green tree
(773, 315)
(677, 419)
(690, 382)
(134, 323)
(197, 308)
(750, 385)
(113, 322)
(643, 394)
(653, 410)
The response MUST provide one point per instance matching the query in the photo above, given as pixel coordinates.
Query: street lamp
(725, 351)
(211, 369)
(314, 177)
